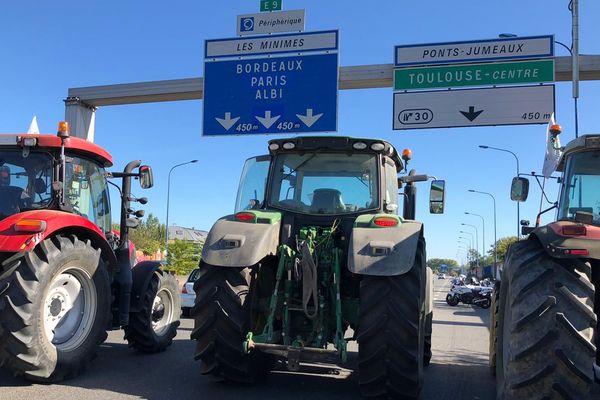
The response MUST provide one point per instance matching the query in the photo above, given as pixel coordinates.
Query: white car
(188, 296)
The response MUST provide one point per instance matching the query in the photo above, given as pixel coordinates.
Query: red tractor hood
(56, 222)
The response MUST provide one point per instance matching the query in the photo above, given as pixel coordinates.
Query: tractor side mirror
(146, 177)
(437, 197)
(519, 189)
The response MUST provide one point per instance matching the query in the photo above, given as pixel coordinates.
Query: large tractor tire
(221, 321)
(152, 329)
(55, 310)
(427, 354)
(391, 332)
(493, 342)
(545, 327)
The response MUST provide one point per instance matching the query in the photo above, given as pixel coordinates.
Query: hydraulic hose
(309, 281)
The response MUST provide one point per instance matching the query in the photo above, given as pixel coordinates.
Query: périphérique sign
(270, 84)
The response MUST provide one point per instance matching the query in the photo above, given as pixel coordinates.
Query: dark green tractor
(316, 255)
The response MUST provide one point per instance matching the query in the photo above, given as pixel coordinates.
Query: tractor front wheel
(391, 332)
(545, 327)
(153, 327)
(55, 310)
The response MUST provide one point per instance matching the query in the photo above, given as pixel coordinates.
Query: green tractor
(543, 342)
(315, 256)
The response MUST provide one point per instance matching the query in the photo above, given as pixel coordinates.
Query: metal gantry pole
(168, 197)
(575, 58)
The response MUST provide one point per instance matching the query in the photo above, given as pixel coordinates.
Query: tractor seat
(327, 201)
(10, 199)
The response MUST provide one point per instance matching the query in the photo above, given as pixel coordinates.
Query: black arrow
(472, 114)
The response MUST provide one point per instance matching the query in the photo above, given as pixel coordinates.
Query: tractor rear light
(574, 230)
(359, 146)
(30, 225)
(245, 217)
(385, 222)
(377, 146)
(274, 146)
(577, 252)
(29, 142)
(289, 145)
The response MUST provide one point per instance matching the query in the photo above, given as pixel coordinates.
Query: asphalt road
(458, 369)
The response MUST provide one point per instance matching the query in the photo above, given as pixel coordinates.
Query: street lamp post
(483, 238)
(476, 238)
(168, 195)
(518, 172)
(472, 241)
(495, 238)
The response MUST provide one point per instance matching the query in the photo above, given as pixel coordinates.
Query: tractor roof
(72, 145)
(582, 143)
(334, 143)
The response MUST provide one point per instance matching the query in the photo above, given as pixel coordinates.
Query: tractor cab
(580, 191)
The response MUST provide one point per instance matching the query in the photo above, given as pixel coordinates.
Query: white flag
(33, 127)
(553, 151)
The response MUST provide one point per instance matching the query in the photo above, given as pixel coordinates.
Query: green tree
(149, 236)
(184, 256)
(435, 263)
(502, 244)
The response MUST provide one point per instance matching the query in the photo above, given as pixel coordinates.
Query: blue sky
(48, 47)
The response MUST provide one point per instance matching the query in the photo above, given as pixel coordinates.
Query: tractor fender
(231, 243)
(385, 251)
(141, 275)
(56, 222)
(557, 245)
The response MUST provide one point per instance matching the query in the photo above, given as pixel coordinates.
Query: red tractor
(65, 276)
(543, 336)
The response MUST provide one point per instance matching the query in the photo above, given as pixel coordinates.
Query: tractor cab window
(321, 183)
(251, 192)
(581, 188)
(25, 181)
(87, 191)
(391, 184)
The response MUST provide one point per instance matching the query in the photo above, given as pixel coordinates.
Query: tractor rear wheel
(153, 327)
(221, 321)
(427, 354)
(545, 327)
(391, 332)
(55, 310)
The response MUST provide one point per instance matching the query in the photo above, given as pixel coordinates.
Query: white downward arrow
(267, 120)
(227, 122)
(309, 119)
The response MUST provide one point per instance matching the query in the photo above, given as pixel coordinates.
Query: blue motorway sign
(278, 94)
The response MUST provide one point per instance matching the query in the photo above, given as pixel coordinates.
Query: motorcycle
(468, 294)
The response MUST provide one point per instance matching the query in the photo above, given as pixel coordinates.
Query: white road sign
(272, 44)
(478, 50)
(513, 105)
(278, 21)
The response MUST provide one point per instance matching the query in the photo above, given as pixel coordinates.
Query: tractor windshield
(25, 181)
(325, 183)
(581, 190)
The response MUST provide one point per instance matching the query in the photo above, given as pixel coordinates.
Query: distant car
(188, 296)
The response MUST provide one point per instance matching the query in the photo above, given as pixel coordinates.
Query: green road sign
(504, 73)
(270, 5)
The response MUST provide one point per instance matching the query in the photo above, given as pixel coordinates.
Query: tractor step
(295, 355)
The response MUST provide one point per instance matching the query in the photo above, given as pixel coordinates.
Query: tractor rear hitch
(295, 355)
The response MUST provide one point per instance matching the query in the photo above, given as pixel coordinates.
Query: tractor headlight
(289, 145)
(274, 146)
(359, 146)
